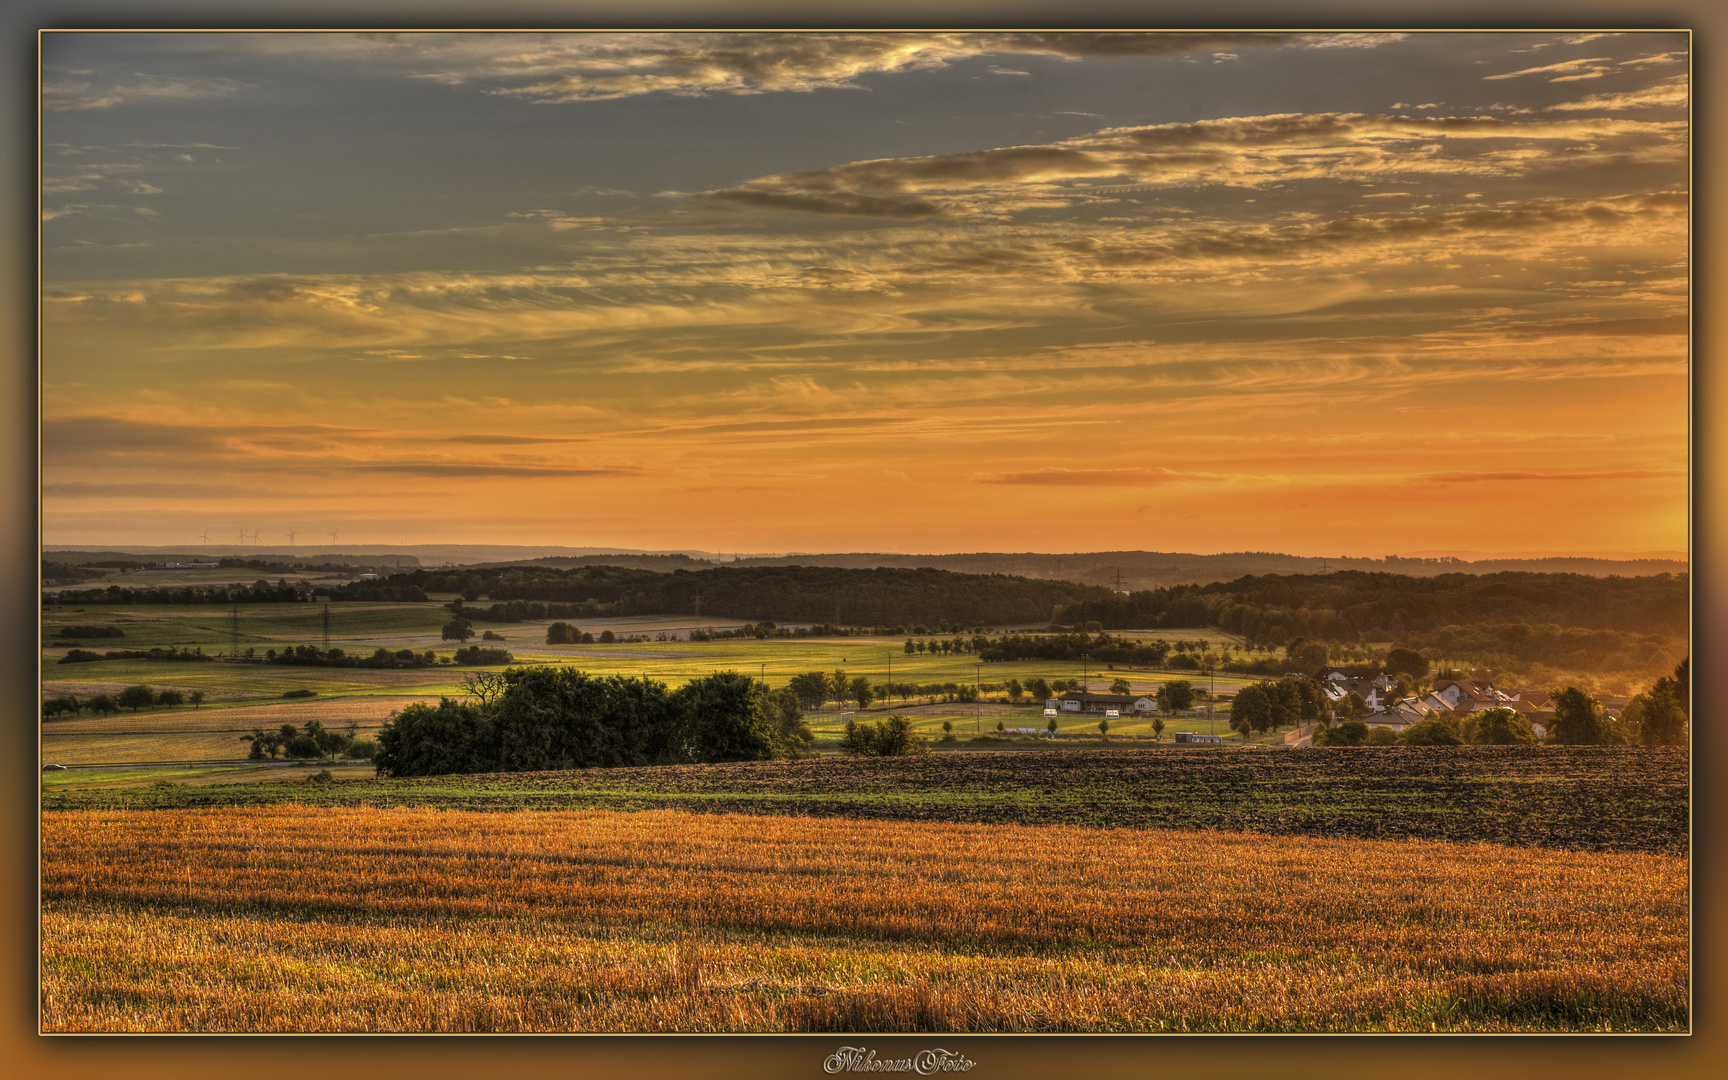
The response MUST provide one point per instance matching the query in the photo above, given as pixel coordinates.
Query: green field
(252, 691)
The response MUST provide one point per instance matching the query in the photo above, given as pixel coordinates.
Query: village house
(1377, 696)
(1377, 676)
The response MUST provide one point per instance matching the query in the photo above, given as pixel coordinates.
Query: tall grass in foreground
(288, 918)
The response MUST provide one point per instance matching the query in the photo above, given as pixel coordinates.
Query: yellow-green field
(240, 696)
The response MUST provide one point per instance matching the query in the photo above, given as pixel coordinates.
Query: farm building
(1084, 701)
(1196, 737)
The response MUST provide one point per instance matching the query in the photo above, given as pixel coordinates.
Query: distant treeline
(313, 656)
(1355, 606)
(885, 597)
(261, 592)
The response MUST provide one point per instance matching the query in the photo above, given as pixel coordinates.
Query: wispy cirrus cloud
(568, 68)
(1059, 477)
(61, 95)
(1240, 151)
(1547, 477)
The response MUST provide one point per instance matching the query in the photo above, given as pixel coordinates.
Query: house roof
(1101, 699)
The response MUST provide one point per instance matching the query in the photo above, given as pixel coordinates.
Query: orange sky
(1311, 294)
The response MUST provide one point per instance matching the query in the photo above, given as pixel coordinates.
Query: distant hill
(1119, 570)
(1138, 570)
(71, 557)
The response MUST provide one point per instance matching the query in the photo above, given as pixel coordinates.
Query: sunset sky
(1317, 294)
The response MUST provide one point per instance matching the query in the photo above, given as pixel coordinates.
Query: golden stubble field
(292, 918)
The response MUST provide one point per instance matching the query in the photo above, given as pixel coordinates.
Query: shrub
(893, 737)
(91, 631)
(299, 693)
(1498, 727)
(79, 656)
(1433, 731)
(491, 635)
(1349, 733)
(1381, 736)
(479, 654)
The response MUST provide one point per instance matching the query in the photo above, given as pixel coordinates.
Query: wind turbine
(291, 534)
(253, 537)
(205, 536)
(332, 538)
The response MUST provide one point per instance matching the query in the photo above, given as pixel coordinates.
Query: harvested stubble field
(352, 918)
(1577, 798)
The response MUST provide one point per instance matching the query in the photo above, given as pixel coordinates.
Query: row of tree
(185, 653)
(545, 717)
(313, 741)
(133, 697)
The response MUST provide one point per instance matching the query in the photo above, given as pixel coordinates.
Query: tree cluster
(560, 718)
(892, 737)
(312, 741)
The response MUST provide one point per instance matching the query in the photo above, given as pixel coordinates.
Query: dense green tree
(812, 689)
(137, 697)
(1349, 733)
(562, 633)
(1352, 707)
(861, 692)
(1497, 727)
(560, 718)
(457, 630)
(1175, 696)
(1661, 722)
(1307, 656)
(1038, 688)
(1015, 690)
(1158, 728)
(719, 717)
(1120, 686)
(102, 704)
(1381, 735)
(792, 735)
(1432, 731)
(454, 737)
(893, 737)
(1251, 710)
(1578, 719)
(170, 697)
(1406, 660)
(1677, 687)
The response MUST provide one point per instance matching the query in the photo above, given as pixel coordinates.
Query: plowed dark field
(1572, 798)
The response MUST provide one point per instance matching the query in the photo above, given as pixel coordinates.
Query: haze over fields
(1318, 294)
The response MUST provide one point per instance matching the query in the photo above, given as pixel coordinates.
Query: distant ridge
(1126, 570)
